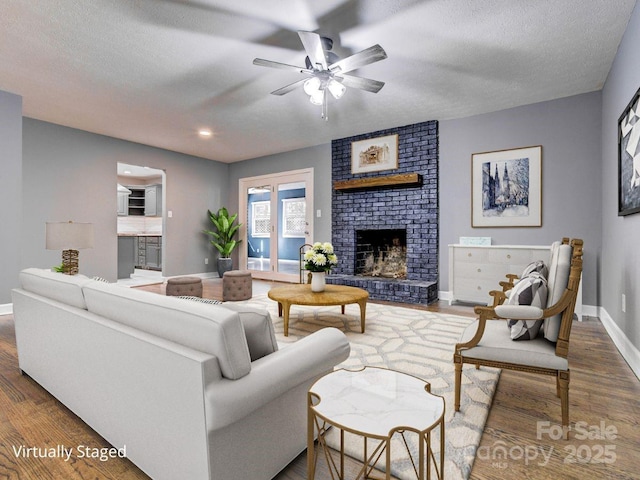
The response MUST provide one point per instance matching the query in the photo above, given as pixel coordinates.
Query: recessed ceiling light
(127, 172)
(204, 132)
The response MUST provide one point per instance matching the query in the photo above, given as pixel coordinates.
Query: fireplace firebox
(381, 253)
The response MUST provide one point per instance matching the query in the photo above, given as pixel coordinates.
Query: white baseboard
(590, 311)
(445, 295)
(628, 351)
(6, 309)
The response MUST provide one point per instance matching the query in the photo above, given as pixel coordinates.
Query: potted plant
(319, 260)
(223, 237)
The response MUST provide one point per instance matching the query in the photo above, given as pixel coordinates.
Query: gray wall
(620, 265)
(569, 131)
(71, 175)
(10, 192)
(318, 158)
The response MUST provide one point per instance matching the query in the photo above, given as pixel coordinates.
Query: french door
(276, 216)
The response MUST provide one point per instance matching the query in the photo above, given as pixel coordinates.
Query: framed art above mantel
(506, 188)
(374, 154)
(629, 158)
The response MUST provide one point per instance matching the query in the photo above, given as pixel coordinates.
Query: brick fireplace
(386, 236)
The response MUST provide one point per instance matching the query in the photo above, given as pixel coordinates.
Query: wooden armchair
(488, 342)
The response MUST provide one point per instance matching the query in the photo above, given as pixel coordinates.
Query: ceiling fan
(325, 72)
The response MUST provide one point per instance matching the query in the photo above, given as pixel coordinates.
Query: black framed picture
(629, 158)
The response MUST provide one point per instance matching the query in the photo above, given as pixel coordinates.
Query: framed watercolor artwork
(506, 188)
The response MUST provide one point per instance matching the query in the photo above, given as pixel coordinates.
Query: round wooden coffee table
(301, 294)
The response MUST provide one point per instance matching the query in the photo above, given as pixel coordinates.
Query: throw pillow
(201, 300)
(100, 279)
(538, 266)
(530, 290)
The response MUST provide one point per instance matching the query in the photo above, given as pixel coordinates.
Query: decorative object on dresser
(506, 188)
(69, 237)
(629, 158)
(488, 341)
(473, 270)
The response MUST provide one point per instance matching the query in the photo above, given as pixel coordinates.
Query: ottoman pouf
(181, 286)
(236, 285)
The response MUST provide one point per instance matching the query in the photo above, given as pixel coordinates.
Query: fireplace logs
(381, 253)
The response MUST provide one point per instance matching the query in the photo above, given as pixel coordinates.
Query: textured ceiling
(155, 71)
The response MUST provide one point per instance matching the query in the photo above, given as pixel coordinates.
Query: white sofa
(192, 390)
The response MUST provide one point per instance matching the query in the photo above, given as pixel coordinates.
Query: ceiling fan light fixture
(317, 97)
(336, 88)
(312, 85)
(327, 73)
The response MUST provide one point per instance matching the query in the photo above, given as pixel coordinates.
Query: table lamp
(69, 237)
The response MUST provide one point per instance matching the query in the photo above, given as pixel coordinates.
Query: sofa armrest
(273, 375)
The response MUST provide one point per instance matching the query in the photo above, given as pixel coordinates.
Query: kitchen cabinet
(153, 200)
(123, 203)
(136, 200)
(123, 200)
(148, 252)
(126, 254)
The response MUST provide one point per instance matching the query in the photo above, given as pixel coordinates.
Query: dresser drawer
(510, 256)
(480, 271)
(470, 255)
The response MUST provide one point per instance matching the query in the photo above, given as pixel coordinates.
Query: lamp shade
(69, 236)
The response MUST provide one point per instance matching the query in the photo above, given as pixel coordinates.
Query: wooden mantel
(400, 180)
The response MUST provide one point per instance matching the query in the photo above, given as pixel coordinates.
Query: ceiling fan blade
(367, 84)
(315, 50)
(360, 59)
(261, 62)
(289, 88)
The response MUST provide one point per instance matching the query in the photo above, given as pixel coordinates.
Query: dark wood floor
(604, 395)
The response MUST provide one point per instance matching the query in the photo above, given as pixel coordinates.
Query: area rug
(417, 342)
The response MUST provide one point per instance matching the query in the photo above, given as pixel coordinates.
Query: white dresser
(476, 270)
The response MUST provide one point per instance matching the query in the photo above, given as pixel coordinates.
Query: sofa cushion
(56, 286)
(257, 324)
(530, 290)
(208, 328)
(258, 327)
(558, 279)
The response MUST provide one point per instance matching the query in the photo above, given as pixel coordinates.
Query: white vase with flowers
(319, 260)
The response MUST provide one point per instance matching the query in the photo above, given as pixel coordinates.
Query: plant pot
(224, 265)
(317, 281)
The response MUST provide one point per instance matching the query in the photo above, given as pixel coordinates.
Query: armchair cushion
(559, 270)
(531, 291)
(496, 345)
